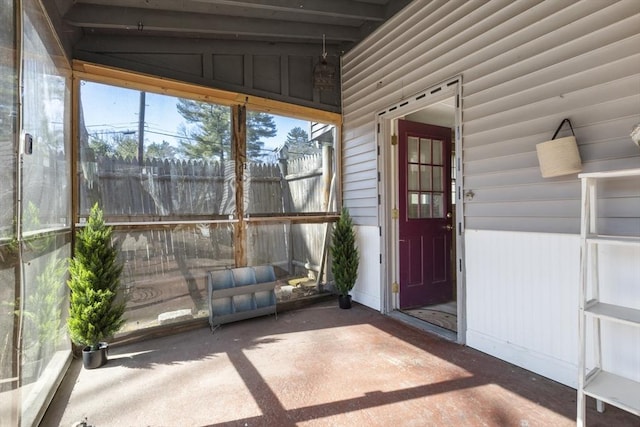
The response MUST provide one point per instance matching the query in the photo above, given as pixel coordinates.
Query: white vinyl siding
(525, 66)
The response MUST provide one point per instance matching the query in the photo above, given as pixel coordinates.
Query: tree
(127, 147)
(100, 147)
(298, 143)
(160, 151)
(122, 144)
(259, 125)
(208, 133)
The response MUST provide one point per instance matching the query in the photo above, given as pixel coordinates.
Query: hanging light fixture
(324, 73)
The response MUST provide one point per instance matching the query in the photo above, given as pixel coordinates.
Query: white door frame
(386, 123)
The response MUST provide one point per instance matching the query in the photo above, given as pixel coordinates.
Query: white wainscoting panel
(522, 302)
(367, 290)
(522, 299)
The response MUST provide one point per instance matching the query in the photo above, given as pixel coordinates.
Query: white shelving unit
(605, 387)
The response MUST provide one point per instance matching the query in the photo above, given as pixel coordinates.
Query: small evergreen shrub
(344, 253)
(95, 311)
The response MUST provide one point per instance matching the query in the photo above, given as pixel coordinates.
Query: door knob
(449, 227)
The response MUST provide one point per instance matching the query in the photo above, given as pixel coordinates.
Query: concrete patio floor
(317, 366)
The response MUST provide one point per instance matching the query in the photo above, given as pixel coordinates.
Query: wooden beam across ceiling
(140, 19)
(139, 81)
(331, 8)
(341, 9)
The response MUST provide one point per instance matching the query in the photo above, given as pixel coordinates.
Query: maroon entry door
(424, 209)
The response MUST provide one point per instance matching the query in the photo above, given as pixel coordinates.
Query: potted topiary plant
(345, 258)
(96, 310)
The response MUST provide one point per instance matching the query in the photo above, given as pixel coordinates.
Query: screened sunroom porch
(185, 195)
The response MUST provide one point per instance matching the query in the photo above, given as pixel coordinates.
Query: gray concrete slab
(317, 366)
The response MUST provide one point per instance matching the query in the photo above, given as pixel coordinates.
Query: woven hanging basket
(560, 156)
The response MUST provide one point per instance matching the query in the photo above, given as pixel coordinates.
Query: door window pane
(413, 210)
(412, 178)
(437, 152)
(425, 178)
(425, 150)
(425, 205)
(438, 184)
(412, 149)
(438, 205)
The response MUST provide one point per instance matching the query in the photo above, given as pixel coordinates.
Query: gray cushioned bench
(240, 293)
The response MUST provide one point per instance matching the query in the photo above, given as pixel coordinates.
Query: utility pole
(141, 128)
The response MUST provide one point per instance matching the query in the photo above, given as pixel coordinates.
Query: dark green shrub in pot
(345, 257)
(96, 311)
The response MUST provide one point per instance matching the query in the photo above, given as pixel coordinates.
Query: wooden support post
(239, 153)
(327, 174)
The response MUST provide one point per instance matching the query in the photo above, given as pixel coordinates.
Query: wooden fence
(161, 188)
(181, 189)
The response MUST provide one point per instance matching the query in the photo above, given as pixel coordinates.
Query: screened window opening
(149, 156)
(290, 166)
(193, 186)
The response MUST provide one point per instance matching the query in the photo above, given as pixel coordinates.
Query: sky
(114, 109)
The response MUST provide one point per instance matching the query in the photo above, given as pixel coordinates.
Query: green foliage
(259, 125)
(31, 222)
(162, 150)
(127, 148)
(115, 144)
(42, 312)
(209, 133)
(45, 311)
(95, 311)
(299, 144)
(101, 147)
(344, 253)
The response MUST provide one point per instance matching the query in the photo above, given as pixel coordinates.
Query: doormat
(435, 317)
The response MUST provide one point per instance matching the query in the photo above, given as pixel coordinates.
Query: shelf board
(614, 312)
(611, 174)
(615, 390)
(614, 240)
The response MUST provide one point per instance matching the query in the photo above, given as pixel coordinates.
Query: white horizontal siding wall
(524, 66)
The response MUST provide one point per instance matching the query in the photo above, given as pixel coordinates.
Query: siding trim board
(524, 66)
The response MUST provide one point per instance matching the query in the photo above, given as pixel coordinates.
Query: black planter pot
(92, 359)
(344, 301)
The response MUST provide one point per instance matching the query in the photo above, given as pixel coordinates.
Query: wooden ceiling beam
(328, 8)
(332, 8)
(138, 81)
(137, 19)
(158, 45)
